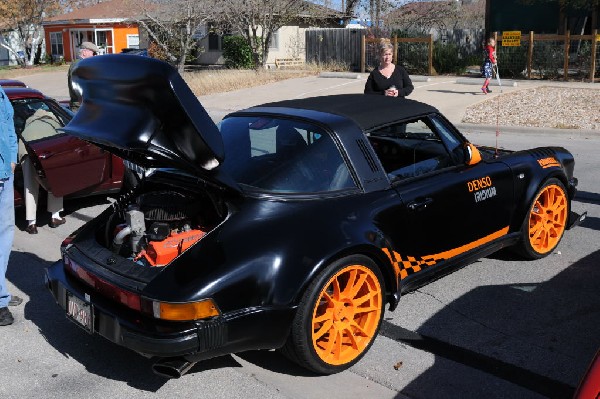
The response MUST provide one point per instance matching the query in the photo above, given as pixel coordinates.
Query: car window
(453, 143)
(25, 108)
(414, 148)
(283, 156)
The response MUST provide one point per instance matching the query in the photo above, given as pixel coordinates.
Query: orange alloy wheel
(547, 219)
(346, 316)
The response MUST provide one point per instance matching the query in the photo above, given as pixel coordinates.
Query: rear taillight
(183, 311)
(106, 289)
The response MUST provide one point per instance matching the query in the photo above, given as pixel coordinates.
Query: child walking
(488, 63)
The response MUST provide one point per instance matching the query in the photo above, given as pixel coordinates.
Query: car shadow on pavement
(72, 208)
(95, 353)
(591, 222)
(539, 336)
(275, 362)
(587, 197)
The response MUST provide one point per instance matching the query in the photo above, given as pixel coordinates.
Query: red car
(11, 83)
(67, 166)
(589, 387)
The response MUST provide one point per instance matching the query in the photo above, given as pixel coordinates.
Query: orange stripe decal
(410, 264)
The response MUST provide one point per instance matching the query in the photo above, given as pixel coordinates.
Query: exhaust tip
(172, 368)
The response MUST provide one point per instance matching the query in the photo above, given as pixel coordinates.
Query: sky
(362, 7)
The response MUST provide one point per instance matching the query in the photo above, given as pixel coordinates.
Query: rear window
(283, 156)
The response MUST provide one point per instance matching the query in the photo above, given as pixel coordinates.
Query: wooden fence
(351, 48)
(335, 46)
(585, 60)
(536, 56)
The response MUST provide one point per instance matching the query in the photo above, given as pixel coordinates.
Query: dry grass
(201, 82)
(224, 80)
(206, 82)
(15, 71)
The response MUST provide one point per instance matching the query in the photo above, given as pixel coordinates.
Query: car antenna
(497, 108)
(497, 127)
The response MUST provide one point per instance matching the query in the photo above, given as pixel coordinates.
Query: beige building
(288, 42)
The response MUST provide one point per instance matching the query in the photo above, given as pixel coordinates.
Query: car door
(446, 207)
(64, 164)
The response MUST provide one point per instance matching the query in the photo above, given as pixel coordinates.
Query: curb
(357, 75)
(417, 78)
(479, 81)
(344, 75)
(476, 128)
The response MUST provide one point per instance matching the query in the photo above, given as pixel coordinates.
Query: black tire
(333, 330)
(545, 222)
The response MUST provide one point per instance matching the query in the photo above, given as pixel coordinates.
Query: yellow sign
(511, 38)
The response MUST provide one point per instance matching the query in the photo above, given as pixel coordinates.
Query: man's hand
(12, 166)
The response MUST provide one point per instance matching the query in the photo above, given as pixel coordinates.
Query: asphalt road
(499, 328)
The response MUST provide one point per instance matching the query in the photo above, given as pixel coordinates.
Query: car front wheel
(546, 221)
(339, 316)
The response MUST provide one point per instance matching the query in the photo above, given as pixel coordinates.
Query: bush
(451, 58)
(446, 58)
(237, 53)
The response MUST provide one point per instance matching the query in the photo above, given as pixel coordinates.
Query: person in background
(488, 64)
(86, 50)
(388, 79)
(39, 125)
(8, 160)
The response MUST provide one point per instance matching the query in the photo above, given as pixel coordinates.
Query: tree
(24, 18)
(578, 4)
(258, 20)
(424, 16)
(172, 26)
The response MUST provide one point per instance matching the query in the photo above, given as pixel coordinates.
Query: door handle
(420, 203)
(45, 155)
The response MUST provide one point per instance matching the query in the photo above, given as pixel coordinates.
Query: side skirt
(431, 274)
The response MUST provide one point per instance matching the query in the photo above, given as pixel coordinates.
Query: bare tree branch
(24, 19)
(171, 25)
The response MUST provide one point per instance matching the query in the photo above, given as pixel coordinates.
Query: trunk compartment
(155, 224)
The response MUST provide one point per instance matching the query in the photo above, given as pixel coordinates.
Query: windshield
(282, 156)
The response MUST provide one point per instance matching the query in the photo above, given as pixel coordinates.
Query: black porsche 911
(289, 226)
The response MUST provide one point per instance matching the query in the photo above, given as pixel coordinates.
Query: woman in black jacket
(388, 79)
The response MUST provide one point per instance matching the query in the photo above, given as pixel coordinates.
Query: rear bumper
(245, 329)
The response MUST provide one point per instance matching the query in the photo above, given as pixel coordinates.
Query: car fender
(531, 169)
(246, 263)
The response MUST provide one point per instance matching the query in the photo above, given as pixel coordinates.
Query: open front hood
(140, 109)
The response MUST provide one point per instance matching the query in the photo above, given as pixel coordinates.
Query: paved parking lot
(499, 328)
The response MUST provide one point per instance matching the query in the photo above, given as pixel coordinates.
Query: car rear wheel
(339, 316)
(546, 221)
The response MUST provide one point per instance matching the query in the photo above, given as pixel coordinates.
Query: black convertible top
(367, 110)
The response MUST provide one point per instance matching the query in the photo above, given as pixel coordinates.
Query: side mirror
(472, 154)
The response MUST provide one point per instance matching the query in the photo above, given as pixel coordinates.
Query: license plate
(80, 312)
